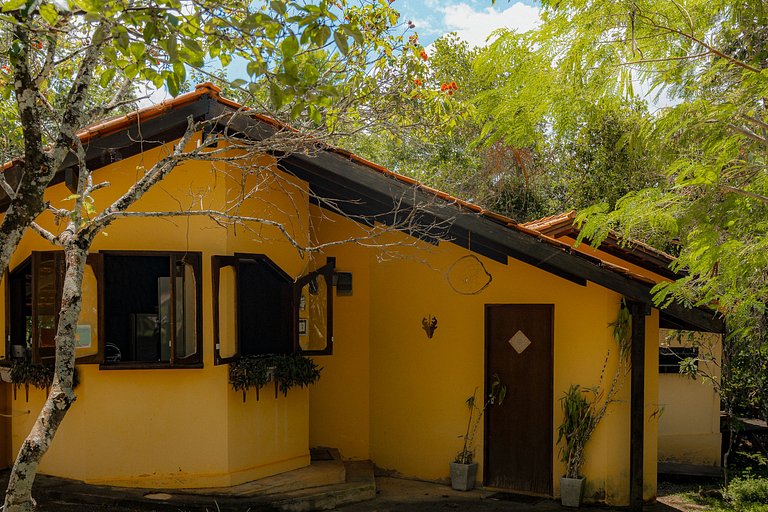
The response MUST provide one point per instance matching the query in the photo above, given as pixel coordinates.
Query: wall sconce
(343, 283)
(429, 324)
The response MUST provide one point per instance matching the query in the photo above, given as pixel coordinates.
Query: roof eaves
(117, 124)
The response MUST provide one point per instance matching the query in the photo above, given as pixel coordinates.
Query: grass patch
(743, 495)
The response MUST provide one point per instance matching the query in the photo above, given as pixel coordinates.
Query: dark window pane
(132, 286)
(20, 282)
(47, 306)
(265, 314)
(670, 357)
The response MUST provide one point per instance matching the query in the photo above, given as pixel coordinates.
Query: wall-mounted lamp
(343, 283)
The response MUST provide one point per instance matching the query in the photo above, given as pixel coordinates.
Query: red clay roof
(562, 224)
(117, 124)
(547, 224)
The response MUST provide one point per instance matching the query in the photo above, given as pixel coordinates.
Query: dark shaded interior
(20, 282)
(265, 308)
(131, 321)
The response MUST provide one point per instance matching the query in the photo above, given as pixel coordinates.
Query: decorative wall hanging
(429, 324)
(468, 276)
(519, 342)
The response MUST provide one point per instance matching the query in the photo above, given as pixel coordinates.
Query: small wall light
(343, 283)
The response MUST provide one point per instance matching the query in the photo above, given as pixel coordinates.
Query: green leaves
(13, 5)
(286, 371)
(341, 42)
(290, 47)
(49, 14)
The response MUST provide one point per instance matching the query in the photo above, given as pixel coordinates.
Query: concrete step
(329, 485)
(317, 474)
(360, 486)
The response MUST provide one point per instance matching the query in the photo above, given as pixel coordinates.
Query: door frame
(551, 389)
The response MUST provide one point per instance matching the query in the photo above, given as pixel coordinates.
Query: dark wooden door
(518, 433)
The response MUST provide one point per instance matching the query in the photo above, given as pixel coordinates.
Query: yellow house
(157, 410)
(689, 410)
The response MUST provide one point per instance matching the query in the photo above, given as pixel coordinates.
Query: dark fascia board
(612, 245)
(102, 151)
(383, 190)
(518, 245)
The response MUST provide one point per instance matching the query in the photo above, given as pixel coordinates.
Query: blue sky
(473, 20)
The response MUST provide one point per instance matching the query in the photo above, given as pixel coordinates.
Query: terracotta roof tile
(553, 220)
(533, 229)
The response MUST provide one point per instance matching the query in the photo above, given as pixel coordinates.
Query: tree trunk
(18, 497)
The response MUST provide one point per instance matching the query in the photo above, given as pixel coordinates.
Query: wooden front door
(518, 433)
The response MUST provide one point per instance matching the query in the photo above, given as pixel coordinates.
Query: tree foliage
(705, 62)
(505, 148)
(325, 67)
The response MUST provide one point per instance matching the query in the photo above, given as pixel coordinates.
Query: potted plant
(579, 422)
(464, 467)
(583, 408)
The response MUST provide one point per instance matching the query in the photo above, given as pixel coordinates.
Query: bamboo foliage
(584, 408)
(579, 421)
(497, 394)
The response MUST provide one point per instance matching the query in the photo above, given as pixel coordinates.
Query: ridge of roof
(553, 225)
(550, 221)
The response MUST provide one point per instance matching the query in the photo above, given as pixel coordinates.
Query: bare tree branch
(50, 237)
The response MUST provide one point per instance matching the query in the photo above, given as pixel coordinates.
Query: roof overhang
(358, 187)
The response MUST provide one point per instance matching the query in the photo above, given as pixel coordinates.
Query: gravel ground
(399, 495)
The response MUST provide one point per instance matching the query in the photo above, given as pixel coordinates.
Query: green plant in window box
(24, 371)
(285, 370)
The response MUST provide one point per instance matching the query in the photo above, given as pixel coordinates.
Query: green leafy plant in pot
(579, 421)
(464, 467)
(583, 408)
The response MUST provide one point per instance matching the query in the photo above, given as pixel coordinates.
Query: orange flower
(443, 87)
(418, 82)
(454, 86)
(423, 55)
(6, 68)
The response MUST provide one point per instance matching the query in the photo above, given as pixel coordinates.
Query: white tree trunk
(18, 497)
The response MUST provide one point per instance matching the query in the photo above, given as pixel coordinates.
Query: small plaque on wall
(83, 336)
(519, 342)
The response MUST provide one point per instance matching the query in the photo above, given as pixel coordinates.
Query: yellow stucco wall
(178, 427)
(5, 426)
(339, 403)
(689, 419)
(387, 393)
(417, 386)
(689, 426)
